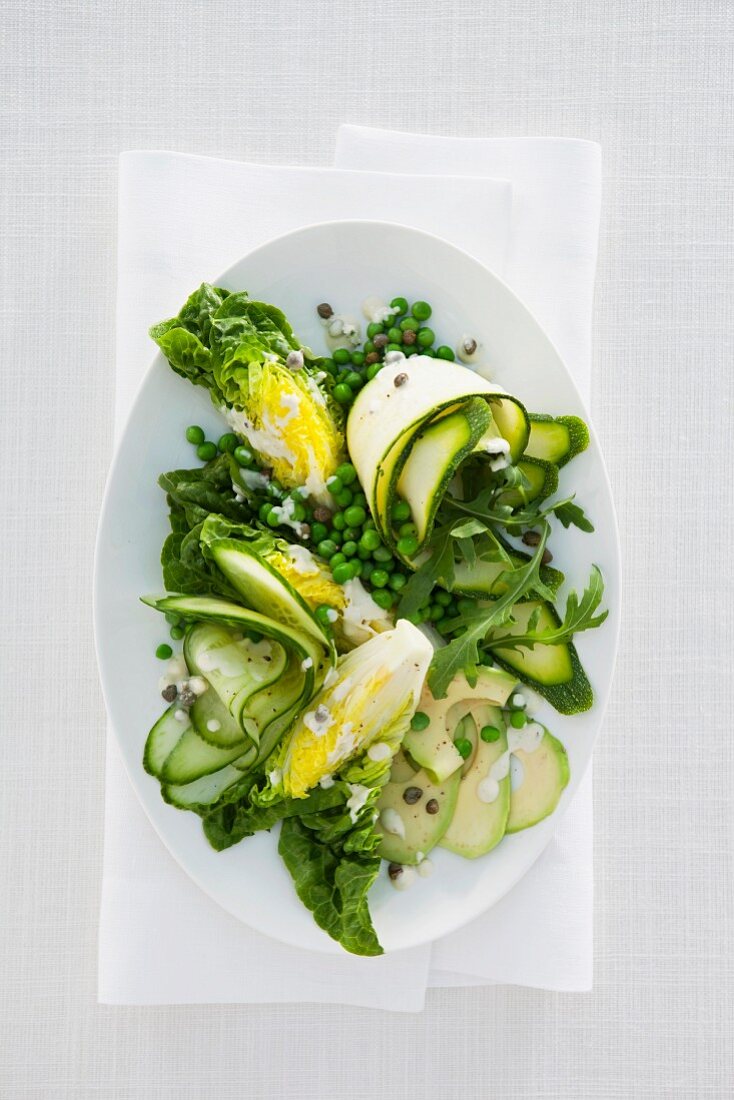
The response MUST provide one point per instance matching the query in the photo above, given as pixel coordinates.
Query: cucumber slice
(545, 774)
(431, 460)
(263, 588)
(555, 671)
(201, 795)
(192, 758)
(162, 740)
(543, 482)
(556, 439)
(236, 669)
(209, 711)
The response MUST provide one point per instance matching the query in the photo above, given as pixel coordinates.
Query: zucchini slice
(162, 740)
(542, 477)
(555, 671)
(556, 439)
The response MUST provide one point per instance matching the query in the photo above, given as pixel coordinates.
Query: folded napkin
(161, 939)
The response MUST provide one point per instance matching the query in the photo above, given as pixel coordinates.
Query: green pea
(354, 381)
(367, 570)
(368, 347)
(351, 534)
(463, 746)
(342, 393)
(374, 328)
(264, 511)
(363, 553)
(381, 597)
(420, 721)
(445, 353)
(227, 442)
(490, 734)
(195, 434)
(360, 499)
(394, 336)
(518, 719)
(370, 540)
(429, 352)
(163, 652)
(382, 554)
(393, 347)
(338, 522)
(342, 356)
(398, 581)
(326, 548)
(436, 612)
(349, 548)
(172, 618)
(421, 311)
(466, 605)
(441, 597)
(323, 614)
(400, 304)
(389, 566)
(342, 572)
(346, 473)
(337, 559)
(373, 369)
(177, 633)
(334, 484)
(400, 511)
(379, 578)
(358, 358)
(408, 546)
(275, 490)
(273, 519)
(356, 567)
(407, 529)
(243, 456)
(337, 537)
(206, 451)
(369, 523)
(328, 365)
(409, 324)
(425, 337)
(355, 516)
(299, 513)
(343, 498)
(319, 531)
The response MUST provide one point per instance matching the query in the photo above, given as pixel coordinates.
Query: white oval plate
(339, 262)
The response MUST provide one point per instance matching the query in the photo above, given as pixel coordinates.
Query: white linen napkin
(183, 219)
(551, 264)
(161, 939)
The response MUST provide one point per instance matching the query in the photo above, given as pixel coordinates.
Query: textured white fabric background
(650, 81)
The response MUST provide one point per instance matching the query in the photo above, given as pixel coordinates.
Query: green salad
(359, 578)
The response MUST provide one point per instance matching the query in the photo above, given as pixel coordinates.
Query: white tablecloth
(652, 83)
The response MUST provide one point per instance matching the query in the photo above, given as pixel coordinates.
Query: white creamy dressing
(213, 725)
(397, 356)
(361, 616)
(292, 403)
(518, 700)
(425, 868)
(313, 388)
(342, 331)
(358, 795)
(285, 514)
(405, 879)
(498, 450)
(345, 744)
(302, 560)
(180, 715)
(342, 690)
(379, 751)
(392, 822)
(462, 352)
(377, 310)
(176, 673)
(267, 440)
(527, 739)
(319, 721)
(517, 773)
(253, 479)
(326, 781)
(197, 684)
(307, 663)
(332, 615)
(275, 776)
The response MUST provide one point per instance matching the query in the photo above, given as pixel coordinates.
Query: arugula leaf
(569, 513)
(579, 615)
(486, 508)
(463, 651)
(437, 568)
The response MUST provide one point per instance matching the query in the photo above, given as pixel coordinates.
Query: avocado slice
(478, 825)
(433, 748)
(545, 774)
(421, 828)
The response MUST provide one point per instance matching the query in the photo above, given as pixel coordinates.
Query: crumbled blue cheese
(319, 721)
(498, 450)
(379, 751)
(392, 822)
(302, 560)
(377, 310)
(197, 684)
